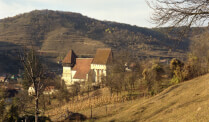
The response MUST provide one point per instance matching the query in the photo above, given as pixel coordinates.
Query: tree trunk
(88, 91)
(36, 109)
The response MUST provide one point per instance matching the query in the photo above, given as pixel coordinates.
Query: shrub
(176, 67)
(153, 77)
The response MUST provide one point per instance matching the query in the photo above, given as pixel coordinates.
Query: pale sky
(134, 12)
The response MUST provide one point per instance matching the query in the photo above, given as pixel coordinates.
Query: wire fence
(59, 113)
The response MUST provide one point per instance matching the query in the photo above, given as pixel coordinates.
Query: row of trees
(197, 63)
(154, 76)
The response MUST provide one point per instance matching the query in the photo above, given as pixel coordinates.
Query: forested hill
(56, 31)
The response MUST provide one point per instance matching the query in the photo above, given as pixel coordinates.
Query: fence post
(106, 109)
(91, 111)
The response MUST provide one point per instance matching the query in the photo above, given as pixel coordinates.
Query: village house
(77, 69)
(49, 90)
(2, 79)
(31, 90)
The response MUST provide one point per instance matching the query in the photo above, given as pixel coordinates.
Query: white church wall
(73, 73)
(67, 75)
(99, 71)
(98, 66)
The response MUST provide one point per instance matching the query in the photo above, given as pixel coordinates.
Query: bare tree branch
(179, 12)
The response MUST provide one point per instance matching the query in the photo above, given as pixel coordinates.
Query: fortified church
(78, 69)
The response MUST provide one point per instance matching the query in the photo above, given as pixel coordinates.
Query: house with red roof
(49, 90)
(77, 69)
(2, 78)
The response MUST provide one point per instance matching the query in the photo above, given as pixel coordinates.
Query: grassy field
(187, 101)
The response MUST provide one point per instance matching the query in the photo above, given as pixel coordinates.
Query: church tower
(68, 63)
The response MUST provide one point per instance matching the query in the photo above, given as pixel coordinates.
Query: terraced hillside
(53, 33)
(59, 31)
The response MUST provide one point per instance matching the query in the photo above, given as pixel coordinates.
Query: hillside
(56, 31)
(187, 101)
(53, 33)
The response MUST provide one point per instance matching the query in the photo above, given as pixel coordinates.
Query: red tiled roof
(103, 55)
(70, 58)
(82, 67)
(2, 78)
(49, 88)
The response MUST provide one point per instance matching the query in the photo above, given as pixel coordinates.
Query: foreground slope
(186, 101)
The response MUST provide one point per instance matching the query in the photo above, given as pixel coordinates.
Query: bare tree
(179, 12)
(2, 104)
(34, 74)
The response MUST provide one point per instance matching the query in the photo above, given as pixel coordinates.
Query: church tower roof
(70, 58)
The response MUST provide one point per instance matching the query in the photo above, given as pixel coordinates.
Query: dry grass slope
(187, 101)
